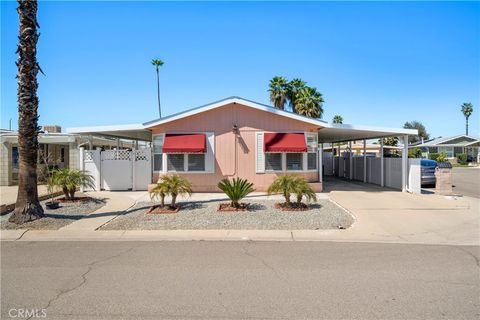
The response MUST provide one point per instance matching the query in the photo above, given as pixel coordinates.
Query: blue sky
(376, 63)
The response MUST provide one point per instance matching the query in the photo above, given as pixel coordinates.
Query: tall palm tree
(309, 102)
(337, 119)
(278, 92)
(158, 63)
(293, 89)
(27, 207)
(467, 109)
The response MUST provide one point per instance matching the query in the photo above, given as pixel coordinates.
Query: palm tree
(69, 180)
(278, 92)
(467, 109)
(177, 185)
(309, 103)
(236, 190)
(284, 184)
(27, 207)
(158, 63)
(293, 89)
(337, 119)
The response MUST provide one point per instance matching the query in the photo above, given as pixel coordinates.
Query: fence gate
(118, 170)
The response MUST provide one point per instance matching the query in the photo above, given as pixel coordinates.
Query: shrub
(176, 185)
(69, 180)
(433, 156)
(415, 153)
(160, 191)
(236, 190)
(442, 157)
(284, 184)
(303, 189)
(462, 158)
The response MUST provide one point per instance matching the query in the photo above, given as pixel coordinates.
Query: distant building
(452, 146)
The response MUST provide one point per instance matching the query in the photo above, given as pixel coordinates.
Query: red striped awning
(284, 142)
(185, 143)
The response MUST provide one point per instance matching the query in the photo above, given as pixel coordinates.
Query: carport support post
(133, 162)
(404, 163)
(82, 163)
(364, 160)
(350, 173)
(382, 182)
(320, 164)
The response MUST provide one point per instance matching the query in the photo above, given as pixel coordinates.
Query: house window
(62, 155)
(196, 162)
(294, 161)
(180, 162)
(15, 158)
(448, 150)
(273, 161)
(312, 161)
(157, 152)
(175, 162)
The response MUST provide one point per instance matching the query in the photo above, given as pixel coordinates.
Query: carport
(397, 173)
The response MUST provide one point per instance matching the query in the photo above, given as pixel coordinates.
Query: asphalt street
(466, 181)
(239, 280)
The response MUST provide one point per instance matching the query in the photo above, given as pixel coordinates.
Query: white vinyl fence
(118, 169)
(392, 170)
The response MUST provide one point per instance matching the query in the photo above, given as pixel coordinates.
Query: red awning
(185, 143)
(284, 142)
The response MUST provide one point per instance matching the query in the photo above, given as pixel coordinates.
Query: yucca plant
(160, 191)
(303, 189)
(177, 185)
(284, 184)
(69, 180)
(236, 190)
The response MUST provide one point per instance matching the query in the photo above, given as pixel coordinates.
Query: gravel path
(262, 216)
(55, 219)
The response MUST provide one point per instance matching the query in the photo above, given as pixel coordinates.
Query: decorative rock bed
(57, 218)
(260, 215)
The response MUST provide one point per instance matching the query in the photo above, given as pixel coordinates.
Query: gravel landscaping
(55, 219)
(262, 215)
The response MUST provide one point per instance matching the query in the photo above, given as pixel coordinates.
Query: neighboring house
(230, 138)
(56, 149)
(452, 146)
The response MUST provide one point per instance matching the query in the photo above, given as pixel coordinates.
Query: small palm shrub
(236, 190)
(160, 191)
(69, 180)
(303, 189)
(284, 184)
(177, 185)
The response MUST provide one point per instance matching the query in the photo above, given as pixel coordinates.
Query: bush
(173, 185)
(415, 153)
(433, 156)
(442, 157)
(236, 190)
(69, 180)
(462, 158)
(289, 184)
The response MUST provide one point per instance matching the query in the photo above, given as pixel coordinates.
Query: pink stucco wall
(233, 158)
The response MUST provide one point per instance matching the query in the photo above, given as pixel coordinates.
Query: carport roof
(327, 132)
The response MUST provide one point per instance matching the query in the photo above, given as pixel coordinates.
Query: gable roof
(242, 101)
(443, 141)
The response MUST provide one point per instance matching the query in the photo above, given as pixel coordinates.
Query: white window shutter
(210, 155)
(312, 141)
(260, 155)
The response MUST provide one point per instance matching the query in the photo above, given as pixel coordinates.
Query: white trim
(369, 128)
(119, 127)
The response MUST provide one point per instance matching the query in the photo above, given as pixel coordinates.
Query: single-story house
(234, 137)
(452, 146)
(56, 149)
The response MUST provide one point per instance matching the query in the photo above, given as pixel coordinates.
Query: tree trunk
(174, 199)
(158, 93)
(66, 193)
(299, 198)
(72, 194)
(466, 126)
(27, 207)
(287, 197)
(162, 199)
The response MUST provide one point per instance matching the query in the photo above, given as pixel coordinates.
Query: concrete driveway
(466, 181)
(395, 216)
